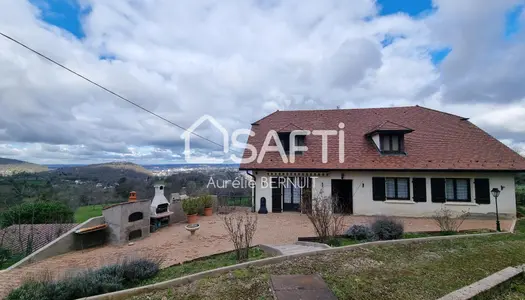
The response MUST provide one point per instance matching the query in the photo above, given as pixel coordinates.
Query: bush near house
(89, 283)
(37, 213)
(387, 228)
(360, 233)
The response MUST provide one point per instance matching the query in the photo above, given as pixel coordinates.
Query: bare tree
(448, 220)
(327, 224)
(241, 227)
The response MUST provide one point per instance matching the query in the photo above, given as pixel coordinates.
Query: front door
(342, 196)
(276, 195)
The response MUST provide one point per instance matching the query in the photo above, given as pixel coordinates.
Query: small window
(397, 188)
(392, 143)
(457, 189)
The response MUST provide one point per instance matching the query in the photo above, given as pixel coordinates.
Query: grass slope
(85, 213)
(426, 270)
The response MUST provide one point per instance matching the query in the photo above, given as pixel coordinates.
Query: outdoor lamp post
(495, 192)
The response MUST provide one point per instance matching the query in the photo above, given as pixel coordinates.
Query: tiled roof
(440, 141)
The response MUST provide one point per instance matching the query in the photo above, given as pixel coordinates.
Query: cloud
(239, 61)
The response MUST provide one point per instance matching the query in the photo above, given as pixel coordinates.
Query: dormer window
(392, 143)
(389, 137)
(284, 137)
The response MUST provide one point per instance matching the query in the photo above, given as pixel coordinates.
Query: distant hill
(107, 173)
(13, 166)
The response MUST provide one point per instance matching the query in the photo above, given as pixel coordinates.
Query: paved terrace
(174, 245)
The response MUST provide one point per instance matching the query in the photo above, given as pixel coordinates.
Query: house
(400, 161)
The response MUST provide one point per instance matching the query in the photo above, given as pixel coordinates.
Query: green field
(84, 213)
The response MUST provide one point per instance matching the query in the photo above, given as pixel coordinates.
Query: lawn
(202, 264)
(426, 270)
(84, 213)
(515, 291)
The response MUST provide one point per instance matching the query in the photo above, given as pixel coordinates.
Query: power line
(104, 88)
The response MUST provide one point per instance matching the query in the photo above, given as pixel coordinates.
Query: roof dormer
(389, 137)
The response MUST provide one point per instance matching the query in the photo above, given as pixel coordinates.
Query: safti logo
(272, 137)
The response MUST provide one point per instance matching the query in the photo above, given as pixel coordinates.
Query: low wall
(488, 286)
(63, 244)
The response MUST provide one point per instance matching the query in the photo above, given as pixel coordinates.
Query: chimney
(132, 196)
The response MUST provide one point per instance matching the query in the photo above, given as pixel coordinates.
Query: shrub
(241, 228)
(141, 269)
(89, 283)
(37, 213)
(206, 201)
(190, 206)
(326, 223)
(360, 232)
(5, 255)
(334, 242)
(31, 290)
(387, 228)
(449, 221)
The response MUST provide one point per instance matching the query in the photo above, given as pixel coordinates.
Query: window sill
(461, 203)
(400, 201)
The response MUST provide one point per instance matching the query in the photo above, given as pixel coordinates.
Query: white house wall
(364, 205)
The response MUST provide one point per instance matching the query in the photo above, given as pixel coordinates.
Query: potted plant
(190, 208)
(207, 203)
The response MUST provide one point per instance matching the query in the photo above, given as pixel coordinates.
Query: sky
(238, 61)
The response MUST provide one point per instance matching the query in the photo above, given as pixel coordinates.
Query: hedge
(37, 213)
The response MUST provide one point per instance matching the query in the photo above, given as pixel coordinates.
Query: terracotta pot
(208, 211)
(192, 219)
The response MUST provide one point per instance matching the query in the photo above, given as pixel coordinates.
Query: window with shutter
(458, 189)
(420, 189)
(482, 190)
(397, 189)
(437, 186)
(378, 188)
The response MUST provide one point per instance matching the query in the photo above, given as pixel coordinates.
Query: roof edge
(386, 170)
(257, 122)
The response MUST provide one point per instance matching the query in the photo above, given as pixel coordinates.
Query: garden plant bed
(422, 270)
(343, 240)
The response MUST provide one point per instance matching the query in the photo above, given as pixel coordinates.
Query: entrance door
(276, 195)
(291, 194)
(342, 196)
